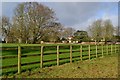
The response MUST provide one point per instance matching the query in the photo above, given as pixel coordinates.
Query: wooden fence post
(111, 49)
(41, 64)
(70, 53)
(89, 51)
(57, 55)
(81, 52)
(107, 49)
(19, 59)
(115, 48)
(96, 50)
(102, 50)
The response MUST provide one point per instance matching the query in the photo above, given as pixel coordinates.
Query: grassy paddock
(28, 49)
(106, 67)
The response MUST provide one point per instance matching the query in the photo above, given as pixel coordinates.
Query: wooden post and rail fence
(103, 49)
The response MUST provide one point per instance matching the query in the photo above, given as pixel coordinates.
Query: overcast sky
(78, 15)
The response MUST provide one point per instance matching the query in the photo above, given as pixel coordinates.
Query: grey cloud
(73, 13)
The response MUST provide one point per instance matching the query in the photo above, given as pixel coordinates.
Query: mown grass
(36, 50)
(106, 67)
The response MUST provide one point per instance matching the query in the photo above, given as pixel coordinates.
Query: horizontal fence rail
(71, 52)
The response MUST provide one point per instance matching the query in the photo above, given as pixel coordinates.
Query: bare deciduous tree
(67, 32)
(101, 30)
(30, 20)
(108, 30)
(96, 30)
(53, 33)
(5, 28)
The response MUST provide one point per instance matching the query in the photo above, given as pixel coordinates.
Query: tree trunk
(26, 41)
(105, 41)
(20, 40)
(6, 40)
(34, 40)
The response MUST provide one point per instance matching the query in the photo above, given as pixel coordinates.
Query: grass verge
(105, 67)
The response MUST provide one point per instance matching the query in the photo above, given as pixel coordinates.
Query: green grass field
(28, 49)
(106, 67)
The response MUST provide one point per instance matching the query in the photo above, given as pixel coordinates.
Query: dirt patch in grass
(106, 67)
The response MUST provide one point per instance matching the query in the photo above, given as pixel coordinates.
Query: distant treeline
(33, 22)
